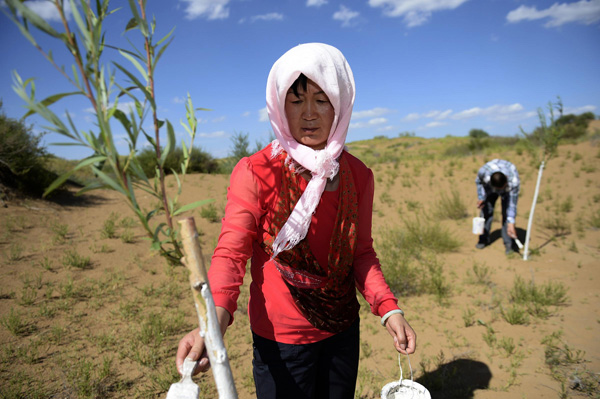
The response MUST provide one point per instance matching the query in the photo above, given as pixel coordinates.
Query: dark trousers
(323, 370)
(488, 213)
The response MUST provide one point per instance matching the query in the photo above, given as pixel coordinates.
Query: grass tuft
(451, 206)
(538, 299)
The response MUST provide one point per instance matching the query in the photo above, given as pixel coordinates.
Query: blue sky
(431, 67)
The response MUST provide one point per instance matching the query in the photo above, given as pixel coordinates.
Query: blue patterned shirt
(510, 192)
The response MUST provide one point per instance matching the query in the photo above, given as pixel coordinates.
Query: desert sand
(110, 329)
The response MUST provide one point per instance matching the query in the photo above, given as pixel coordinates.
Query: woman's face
(310, 115)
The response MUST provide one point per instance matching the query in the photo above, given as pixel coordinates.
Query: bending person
(498, 178)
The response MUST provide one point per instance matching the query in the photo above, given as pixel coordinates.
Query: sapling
(542, 145)
(99, 83)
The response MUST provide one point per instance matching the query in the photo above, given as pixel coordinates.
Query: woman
(301, 209)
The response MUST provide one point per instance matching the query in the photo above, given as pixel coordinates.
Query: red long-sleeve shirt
(254, 185)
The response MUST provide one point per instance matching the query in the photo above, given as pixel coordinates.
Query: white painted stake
(529, 222)
(207, 313)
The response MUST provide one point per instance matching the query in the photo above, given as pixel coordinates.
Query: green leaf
(52, 99)
(61, 179)
(151, 214)
(170, 144)
(138, 84)
(132, 24)
(126, 90)
(165, 37)
(35, 19)
(160, 53)
(178, 184)
(191, 206)
(155, 246)
(108, 181)
(69, 144)
(157, 230)
(120, 115)
(83, 29)
(135, 63)
(96, 185)
(23, 29)
(139, 108)
(184, 149)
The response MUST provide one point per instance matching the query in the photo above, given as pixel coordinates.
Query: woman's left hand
(405, 338)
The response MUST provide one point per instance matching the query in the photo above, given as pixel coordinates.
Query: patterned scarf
(326, 297)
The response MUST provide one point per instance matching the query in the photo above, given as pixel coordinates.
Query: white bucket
(404, 389)
(478, 223)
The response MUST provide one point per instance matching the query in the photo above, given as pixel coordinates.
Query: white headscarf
(326, 66)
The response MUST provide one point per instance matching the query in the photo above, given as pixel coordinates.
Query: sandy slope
(125, 282)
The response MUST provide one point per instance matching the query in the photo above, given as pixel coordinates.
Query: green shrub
(400, 273)
(423, 233)
(515, 315)
(538, 299)
(478, 133)
(557, 224)
(476, 145)
(595, 219)
(73, 259)
(575, 126)
(479, 274)
(22, 157)
(451, 206)
(209, 212)
(408, 257)
(200, 161)
(15, 323)
(435, 281)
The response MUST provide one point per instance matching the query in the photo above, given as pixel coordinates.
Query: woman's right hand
(192, 346)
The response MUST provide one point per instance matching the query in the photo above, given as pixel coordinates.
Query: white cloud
(434, 114)
(47, 10)
(445, 114)
(315, 3)
(369, 124)
(411, 117)
(435, 124)
(579, 110)
(178, 100)
(263, 115)
(414, 12)
(583, 12)
(211, 9)
(371, 113)
(345, 15)
(246, 114)
(377, 121)
(514, 117)
(272, 16)
(468, 113)
(497, 112)
(438, 114)
(386, 128)
(358, 125)
(219, 133)
(218, 119)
